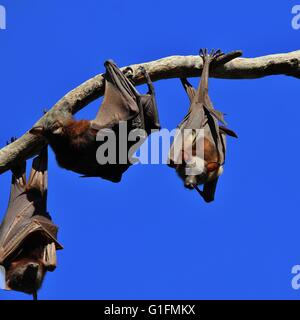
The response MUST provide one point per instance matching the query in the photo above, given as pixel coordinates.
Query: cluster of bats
(28, 237)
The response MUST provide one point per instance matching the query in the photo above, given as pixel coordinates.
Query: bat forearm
(151, 89)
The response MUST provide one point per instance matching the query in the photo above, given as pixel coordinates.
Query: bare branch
(166, 68)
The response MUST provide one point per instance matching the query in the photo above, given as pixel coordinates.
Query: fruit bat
(74, 142)
(201, 115)
(28, 237)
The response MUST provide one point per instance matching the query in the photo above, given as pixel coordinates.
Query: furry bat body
(28, 237)
(201, 115)
(74, 142)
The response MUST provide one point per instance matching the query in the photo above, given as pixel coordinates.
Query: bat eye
(58, 131)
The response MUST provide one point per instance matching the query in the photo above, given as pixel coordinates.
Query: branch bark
(166, 68)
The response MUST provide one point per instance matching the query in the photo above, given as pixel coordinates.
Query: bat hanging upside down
(184, 156)
(74, 142)
(28, 237)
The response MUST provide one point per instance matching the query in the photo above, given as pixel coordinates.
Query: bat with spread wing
(28, 237)
(74, 142)
(204, 165)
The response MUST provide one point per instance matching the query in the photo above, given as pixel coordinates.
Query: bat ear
(58, 131)
(37, 131)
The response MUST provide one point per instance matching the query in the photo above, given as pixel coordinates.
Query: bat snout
(32, 268)
(25, 276)
(190, 182)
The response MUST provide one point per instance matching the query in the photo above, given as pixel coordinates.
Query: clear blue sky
(169, 244)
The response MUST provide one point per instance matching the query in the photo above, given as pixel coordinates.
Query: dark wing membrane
(27, 212)
(194, 119)
(48, 229)
(217, 114)
(120, 99)
(228, 132)
(189, 89)
(209, 190)
(150, 114)
(37, 186)
(17, 203)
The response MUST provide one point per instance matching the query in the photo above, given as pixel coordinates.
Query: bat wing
(199, 116)
(194, 119)
(120, 99)
(189, 89)
(217, 114)
(16, 205)
(183, 138)
(228, 132)
(27, 212)
(150, 114)
(209, 190)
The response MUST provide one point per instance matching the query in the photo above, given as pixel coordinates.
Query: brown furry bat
(201, 115)
(74, 142)
(27, 235)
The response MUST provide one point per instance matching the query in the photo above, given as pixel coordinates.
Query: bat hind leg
(149, 106)
(12, 140)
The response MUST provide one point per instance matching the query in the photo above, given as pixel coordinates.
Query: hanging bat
(208, 162)
(28, 237)
(74, 142)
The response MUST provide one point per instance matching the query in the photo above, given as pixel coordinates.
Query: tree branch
(170, 67)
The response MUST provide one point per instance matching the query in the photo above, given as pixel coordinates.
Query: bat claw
(203, 52)
(212, 55)
(128, 72)
(109, 62)
(212, 52)
(12, 139)
(221, 58)
(218, 54)
(142, 70)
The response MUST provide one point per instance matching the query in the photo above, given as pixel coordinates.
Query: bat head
(193, 176)
(26, 269)
(25, 275)
(190, 182)
(50, 130)
(55, 133)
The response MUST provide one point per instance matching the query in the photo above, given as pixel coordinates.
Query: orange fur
(77, 128)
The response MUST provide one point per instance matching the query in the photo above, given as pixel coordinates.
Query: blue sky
(167, 243)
